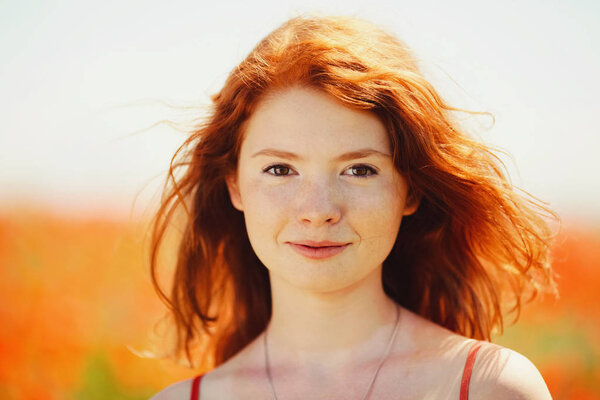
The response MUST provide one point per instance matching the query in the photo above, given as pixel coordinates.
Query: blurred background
(95, 98)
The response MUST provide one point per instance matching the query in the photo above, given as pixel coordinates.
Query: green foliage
(99, 382)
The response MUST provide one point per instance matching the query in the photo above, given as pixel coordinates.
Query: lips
(318, 250)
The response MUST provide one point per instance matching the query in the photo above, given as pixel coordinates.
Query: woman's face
(320, 195)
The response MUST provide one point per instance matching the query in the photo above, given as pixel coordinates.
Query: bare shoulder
(177, 391)
(498, 372)
(501, 373)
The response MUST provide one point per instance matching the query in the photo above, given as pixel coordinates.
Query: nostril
(318, 211)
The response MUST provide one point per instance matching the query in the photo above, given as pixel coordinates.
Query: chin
(321, 278)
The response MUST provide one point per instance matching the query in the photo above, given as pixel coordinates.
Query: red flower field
(76, 306)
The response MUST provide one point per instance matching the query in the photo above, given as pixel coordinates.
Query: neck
(345, 327)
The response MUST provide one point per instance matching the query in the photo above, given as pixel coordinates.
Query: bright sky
(79, 78)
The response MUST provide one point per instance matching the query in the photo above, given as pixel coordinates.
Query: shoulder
(215, 383)
(501, 373)
(498, 372)
(177, 391)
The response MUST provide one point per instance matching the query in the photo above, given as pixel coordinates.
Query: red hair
(473, 245)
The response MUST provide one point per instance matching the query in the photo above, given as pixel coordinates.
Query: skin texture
(300, 178)
(316, 194)
(325, 191)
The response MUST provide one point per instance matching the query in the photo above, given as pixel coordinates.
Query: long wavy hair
(474, 245)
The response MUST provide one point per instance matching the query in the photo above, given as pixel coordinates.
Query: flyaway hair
(475, 245)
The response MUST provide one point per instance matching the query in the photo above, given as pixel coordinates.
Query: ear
(234, 191)
(412, 203)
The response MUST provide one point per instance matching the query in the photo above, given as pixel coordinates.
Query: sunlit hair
(474, 244)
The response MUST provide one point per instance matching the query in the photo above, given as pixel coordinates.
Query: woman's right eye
(278, 170)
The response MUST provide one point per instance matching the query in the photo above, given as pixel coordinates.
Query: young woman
(344, 238)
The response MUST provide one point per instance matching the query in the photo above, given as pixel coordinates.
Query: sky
(84, 86)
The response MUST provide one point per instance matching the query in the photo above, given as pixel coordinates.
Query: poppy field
(78, 312)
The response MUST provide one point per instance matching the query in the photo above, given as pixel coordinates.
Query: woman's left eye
(362, 171)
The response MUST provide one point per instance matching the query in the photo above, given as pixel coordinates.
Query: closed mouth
(323, 243)
(318, 247)
(318, 250)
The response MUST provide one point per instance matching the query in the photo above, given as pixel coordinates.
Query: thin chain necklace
(383, 358)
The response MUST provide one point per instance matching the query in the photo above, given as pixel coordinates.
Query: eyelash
(370, 170)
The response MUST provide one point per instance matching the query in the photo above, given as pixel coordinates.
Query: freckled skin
(317, 196)
(331, 318)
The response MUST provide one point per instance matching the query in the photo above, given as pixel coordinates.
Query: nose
(319, 203)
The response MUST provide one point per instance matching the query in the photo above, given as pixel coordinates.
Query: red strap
(196, 388)
(466, 378)
(464, 385)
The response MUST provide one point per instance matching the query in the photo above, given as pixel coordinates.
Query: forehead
(304, 119)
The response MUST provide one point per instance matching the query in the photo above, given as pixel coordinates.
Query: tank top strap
(464, 384)
(466, 377)
(195, 395)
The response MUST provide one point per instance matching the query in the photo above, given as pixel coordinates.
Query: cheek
(265, 207)
(376, 216)
(384, 200)
(264, 199)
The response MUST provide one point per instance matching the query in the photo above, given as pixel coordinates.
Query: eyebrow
(351, 155)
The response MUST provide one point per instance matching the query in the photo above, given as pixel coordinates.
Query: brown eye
(362, 171)
(281, 170)
(278, 170)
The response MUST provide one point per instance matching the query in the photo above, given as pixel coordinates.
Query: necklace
(383, 358)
